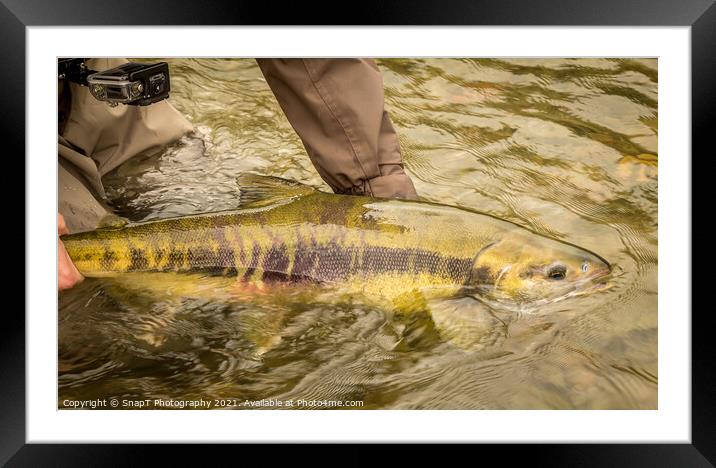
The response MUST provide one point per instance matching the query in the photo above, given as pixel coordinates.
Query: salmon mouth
(601, 274)
(607, 273)
(600, 280)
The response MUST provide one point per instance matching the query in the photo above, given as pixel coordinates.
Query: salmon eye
(585, 267)
(557, 272)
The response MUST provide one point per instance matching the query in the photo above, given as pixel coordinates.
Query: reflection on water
(566, 147)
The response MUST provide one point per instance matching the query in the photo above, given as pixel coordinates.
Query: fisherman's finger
(67, 273)
(61, 226)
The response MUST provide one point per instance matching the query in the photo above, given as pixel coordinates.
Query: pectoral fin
(467, 323)
(412, 322)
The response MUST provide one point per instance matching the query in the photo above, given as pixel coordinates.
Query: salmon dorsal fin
(112, 221)
(258, 190)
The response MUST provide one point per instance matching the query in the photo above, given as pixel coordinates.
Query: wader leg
(80, 208)
(337, 108)
(96, 138)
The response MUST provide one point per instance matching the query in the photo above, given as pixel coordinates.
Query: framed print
(416, 225)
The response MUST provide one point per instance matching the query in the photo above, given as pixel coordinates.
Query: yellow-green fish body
(291, 233)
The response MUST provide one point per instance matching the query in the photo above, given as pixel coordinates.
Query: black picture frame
(16, 15)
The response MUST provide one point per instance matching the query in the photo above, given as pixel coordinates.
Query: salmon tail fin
(261, 190)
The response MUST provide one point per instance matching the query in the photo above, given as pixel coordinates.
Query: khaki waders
(335, 105)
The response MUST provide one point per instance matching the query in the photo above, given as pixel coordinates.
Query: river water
(565, 147)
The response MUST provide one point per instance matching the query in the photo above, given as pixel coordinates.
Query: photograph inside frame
(357, 233)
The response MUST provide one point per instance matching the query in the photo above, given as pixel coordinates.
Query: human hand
(67, 274)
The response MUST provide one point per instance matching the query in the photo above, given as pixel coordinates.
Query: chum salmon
(289, 232)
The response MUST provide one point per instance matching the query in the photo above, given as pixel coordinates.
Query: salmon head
(524, 270)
